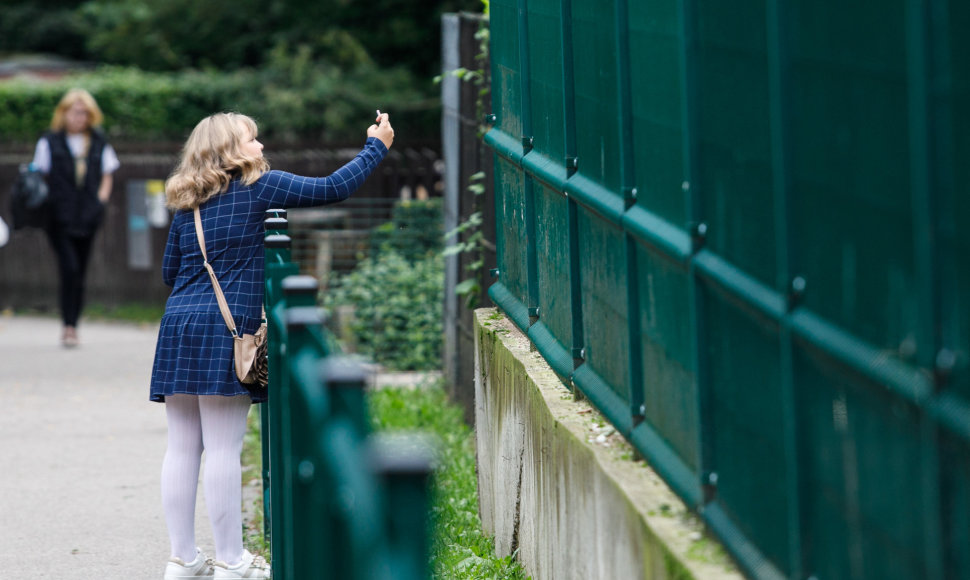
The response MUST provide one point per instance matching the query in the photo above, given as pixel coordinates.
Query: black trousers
(73, 254)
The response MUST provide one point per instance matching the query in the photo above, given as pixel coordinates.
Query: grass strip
(460, 549)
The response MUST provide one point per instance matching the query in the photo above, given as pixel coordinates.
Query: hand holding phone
(382, 130)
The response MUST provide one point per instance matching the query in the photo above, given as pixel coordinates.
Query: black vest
(75, 209)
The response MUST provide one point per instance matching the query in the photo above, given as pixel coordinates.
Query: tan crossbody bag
(249, 350)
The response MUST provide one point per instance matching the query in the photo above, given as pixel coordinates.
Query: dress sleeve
(172, 258)
(109, 160)
(282, 189)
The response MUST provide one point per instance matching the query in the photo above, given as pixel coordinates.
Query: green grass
(252, 470)
(129, 312)
(459, 547)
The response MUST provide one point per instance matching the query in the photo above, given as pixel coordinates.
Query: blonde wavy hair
(95, 116)
(211, 159)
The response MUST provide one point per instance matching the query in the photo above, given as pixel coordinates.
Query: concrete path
(81, 450)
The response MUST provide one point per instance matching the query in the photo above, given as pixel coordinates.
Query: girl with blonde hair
(222, 172)
(78, 163)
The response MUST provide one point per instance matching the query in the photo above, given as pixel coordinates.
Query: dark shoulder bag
(29, 199)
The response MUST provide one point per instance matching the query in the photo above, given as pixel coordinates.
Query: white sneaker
(250, 567)
(179, 569)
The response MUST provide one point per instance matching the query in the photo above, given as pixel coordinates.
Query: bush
(397, 293)
(397, 309)
(415, 230)
(293, 99)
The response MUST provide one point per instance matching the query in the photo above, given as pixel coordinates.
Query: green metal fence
(734, 227)
(339, 501)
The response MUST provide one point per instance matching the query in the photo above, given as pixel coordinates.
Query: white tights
(216, 424)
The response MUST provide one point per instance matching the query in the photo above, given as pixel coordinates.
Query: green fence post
(353, 513)
(404, 465)
(264, 422)
(577, 339)
(311, 546)
(278, 266)
(345, 380)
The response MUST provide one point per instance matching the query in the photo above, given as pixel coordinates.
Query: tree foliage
(167, 35)
(50, 27)
(307, 69)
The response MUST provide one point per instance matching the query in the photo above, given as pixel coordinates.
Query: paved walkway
(81, 450)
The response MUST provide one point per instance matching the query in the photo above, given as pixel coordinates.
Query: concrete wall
(563, 490)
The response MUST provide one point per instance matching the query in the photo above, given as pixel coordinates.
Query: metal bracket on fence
(945, 362)
(629, 196)
(579, 356)
(698, 236)
(796, 292)
(709, 485)
(572, 165)
(639, 415)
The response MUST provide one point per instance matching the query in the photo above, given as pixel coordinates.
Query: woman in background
(78, 163)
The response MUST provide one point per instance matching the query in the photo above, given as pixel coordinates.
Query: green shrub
(291, 100)
(415, 230)
(397, 306)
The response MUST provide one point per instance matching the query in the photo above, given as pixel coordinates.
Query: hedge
(293, 104)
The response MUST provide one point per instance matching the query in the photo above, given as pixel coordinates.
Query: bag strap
(220, 297)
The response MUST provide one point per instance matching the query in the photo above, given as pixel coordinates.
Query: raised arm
(282, 189)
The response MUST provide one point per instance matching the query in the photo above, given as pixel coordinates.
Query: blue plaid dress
(194, 350)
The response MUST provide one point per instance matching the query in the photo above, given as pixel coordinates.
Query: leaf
(467, 287)
(470, 561)
(453, 250)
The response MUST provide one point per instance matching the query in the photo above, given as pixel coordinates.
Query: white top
(42, 154)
